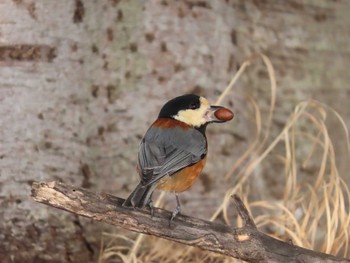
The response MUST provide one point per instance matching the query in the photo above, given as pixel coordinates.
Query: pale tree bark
(80, 81)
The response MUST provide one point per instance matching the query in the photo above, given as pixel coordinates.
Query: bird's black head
(191, 109)
(174, 106)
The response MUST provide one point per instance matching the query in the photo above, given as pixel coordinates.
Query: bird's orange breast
(183, 179)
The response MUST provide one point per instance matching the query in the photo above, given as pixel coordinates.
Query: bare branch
(245, 243)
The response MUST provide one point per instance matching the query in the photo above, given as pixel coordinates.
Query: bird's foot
(176, 211)
(150, 206)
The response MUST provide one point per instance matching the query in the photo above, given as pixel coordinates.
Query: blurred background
(80, 82)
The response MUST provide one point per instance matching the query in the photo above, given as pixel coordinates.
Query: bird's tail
(140, 197)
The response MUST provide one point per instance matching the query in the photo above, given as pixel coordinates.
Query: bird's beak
(218, 114)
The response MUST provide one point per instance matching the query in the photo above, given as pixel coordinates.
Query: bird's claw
(150, 206)
(177, 209)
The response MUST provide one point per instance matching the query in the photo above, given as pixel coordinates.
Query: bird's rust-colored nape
(169, 123)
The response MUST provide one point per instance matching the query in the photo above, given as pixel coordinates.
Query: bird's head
(195, 111)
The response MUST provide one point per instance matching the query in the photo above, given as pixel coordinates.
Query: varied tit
(173, 151)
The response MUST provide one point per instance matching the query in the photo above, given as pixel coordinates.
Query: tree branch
(245, 243)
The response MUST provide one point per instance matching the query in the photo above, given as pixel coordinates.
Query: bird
(173, 151)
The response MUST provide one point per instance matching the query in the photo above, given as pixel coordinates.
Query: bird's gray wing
(165, 151)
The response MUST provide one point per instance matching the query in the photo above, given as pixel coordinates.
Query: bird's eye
(194, 105)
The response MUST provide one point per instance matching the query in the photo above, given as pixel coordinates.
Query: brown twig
(246, 243)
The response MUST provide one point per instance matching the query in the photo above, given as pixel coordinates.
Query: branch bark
(246, 243)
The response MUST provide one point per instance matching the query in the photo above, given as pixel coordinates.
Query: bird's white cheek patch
(193, 118)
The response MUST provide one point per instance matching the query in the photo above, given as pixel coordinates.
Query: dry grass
(313, 213)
